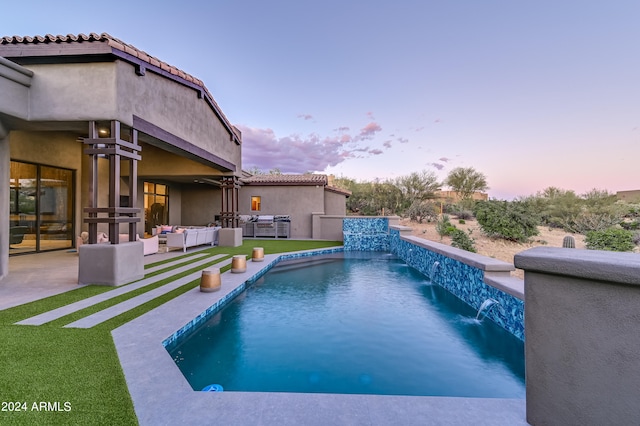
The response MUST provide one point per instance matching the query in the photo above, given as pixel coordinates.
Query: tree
(465, 181)
(417, 187)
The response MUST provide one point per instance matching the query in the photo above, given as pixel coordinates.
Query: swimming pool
(354, 323)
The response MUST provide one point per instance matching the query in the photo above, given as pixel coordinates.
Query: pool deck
(161, 394)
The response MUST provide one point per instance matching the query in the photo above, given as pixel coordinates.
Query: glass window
(255, 203)
(156, 206)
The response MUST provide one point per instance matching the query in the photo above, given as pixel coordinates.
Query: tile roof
(128, 49)
(284, 179)
(292, 180)
(109, 40)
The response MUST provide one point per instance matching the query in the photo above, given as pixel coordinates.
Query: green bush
(444, 227)
(422, 210)
(631, 226)
(511, 221)
(462, 240)
(593, 221)
(610, 239)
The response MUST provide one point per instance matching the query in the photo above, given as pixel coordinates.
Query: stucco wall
(112, 90)
(157, 162)
(177, 109)
(297, 201)
(200, 204)
(14, 86)
(334, 203)
(4, 202)
(582, 341)
(75, 92)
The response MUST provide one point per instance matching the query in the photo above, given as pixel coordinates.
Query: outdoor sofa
(190, 237)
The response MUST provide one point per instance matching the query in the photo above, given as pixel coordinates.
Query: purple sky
(532, 94)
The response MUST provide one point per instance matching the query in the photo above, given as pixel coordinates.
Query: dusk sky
(531, 93)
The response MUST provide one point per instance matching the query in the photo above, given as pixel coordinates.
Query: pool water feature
(353, 323)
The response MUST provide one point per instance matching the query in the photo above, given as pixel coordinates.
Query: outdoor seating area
(184, 237)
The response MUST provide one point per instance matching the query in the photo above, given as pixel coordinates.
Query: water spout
(486, 307)
(434, 269)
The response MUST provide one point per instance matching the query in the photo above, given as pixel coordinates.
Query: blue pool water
(353, 323)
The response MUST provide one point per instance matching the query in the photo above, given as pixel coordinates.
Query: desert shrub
(636, 238)
(464, 214)
(462, 221)
(511, 221)
(631, 226)
(592, 221)
(462, 240)
(444, 227)
(422, 210)
(449, 208)
(611, 239)
(632, 210)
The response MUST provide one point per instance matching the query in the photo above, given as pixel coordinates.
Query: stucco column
(4, 201)
(582, 341)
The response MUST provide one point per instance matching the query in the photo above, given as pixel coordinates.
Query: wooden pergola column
(230, 186)
(114, 150)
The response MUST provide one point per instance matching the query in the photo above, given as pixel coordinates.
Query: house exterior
(96, 134)
(307, 199)
(629, 196)
(454, 197)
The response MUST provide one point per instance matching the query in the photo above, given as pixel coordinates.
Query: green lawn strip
(74, 316)
(53, 365)
(37, 307)
(31, 309)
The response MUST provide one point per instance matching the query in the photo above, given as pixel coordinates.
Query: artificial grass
(53, 365)
(80, 367)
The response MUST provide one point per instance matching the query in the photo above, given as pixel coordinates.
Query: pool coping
(161, 394)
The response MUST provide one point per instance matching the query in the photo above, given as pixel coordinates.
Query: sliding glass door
(41, 208)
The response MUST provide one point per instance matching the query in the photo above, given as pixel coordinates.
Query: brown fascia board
(338, 191)
(281, 184)
(100, 51)
(180, 145)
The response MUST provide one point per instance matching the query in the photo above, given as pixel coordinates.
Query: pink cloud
(387, 144)
(369, 131)
(297, 154)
